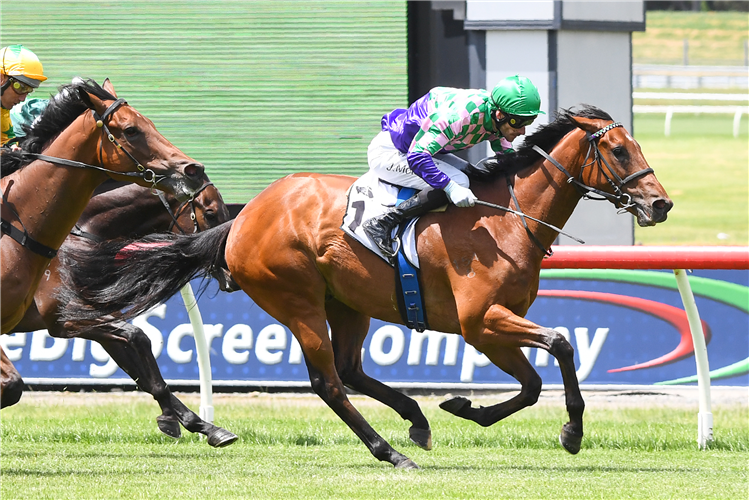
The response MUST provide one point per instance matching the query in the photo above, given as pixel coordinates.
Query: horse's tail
(124, 278)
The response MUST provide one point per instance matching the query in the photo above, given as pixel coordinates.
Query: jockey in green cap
(413, 149)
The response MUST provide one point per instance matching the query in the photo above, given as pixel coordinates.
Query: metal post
(686, 52)
(736, 122)
(204, 358)
(705, 416)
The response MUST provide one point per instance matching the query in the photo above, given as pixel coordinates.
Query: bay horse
(479, 268)
(118, 210)
(86, 134)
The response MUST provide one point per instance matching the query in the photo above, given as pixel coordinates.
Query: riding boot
(379, 229)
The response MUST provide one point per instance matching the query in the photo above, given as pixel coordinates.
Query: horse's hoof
(169, 426)
(407, 464)
(221, 437)
(569, 440)
(456, 405)
(421, 437)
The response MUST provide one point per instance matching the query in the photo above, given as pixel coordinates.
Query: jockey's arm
(421, 161)
(426, 144)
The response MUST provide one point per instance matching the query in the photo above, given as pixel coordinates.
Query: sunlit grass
(705, 170)
(296, 447)
(714, 38)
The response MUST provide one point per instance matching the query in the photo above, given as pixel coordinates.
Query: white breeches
(390, 165)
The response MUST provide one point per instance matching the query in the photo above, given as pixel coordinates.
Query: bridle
(620, 199)
(22, 237)
(78, 231)
(144, 173)
(190, 202)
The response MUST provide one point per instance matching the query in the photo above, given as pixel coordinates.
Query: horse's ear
(590, 126)
(91, 101)
(109, 87)
(85, 98)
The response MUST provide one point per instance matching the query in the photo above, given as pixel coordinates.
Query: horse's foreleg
(502, 332)
(217, 436)
(572, 431)
(348, 330)
(11, 383)
(513, 362)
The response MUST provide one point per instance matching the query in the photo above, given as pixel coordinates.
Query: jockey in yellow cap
(20, 73)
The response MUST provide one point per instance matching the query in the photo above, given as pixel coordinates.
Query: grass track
(705, 170)
(294, 447)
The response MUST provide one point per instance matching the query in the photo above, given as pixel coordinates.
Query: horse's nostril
(662, 205)
(194, 170)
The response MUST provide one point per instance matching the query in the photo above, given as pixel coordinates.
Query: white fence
(669, 110)
(689, 77)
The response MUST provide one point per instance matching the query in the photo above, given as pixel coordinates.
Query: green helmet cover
(516, 95)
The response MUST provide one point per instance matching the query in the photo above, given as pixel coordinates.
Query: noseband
(144, 173)
(620, 199)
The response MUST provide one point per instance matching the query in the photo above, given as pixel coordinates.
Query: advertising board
(627, 328)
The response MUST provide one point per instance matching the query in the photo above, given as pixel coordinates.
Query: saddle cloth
(370, 197)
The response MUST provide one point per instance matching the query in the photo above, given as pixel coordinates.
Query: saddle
(369, 197)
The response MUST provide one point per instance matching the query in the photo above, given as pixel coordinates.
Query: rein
(621, 200)
(78, 231)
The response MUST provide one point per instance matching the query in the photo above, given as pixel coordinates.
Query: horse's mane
(61, 111)
(546, 137)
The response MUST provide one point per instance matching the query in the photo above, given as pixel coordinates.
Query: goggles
(516, 121)
(20, 88)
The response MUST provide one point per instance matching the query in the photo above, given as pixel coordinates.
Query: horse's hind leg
(301, 308)
(503, 332)
(11, 383)
(130, 348)
(348, 330)
(325, 381)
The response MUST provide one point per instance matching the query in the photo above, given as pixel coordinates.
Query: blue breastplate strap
(410, 299)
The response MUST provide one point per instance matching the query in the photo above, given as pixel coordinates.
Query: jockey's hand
(460, 196)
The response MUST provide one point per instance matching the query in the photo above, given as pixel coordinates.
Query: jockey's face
(10, 97)
(508, 132)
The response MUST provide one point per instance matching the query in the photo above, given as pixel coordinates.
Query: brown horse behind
(118, 210)
(479, 269)
(43, 200)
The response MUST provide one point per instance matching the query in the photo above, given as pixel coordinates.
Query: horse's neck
(131, 211)
(49, 198)
(545, 193)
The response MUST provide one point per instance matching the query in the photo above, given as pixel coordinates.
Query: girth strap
(408, 291)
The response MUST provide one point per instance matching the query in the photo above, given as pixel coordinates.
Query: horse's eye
(620, 153)
(132, 132)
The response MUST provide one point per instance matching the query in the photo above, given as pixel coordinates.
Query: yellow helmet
(22, 64)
